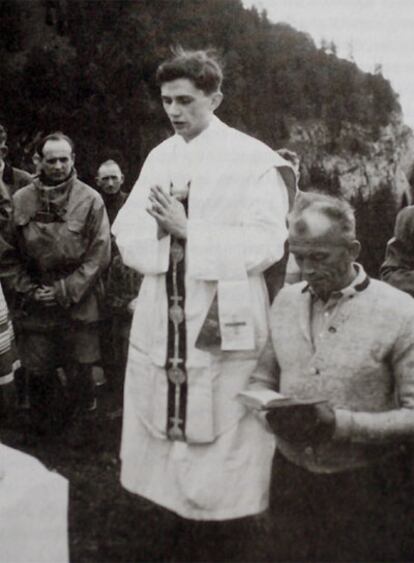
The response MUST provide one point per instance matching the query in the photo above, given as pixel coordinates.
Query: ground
(109, 525)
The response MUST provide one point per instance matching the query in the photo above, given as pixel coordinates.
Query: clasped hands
(45, 295)
(303, 424)
(168, 212)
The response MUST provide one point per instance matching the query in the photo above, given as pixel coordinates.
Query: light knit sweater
(363, 365)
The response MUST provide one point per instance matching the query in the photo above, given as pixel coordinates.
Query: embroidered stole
(177, 336)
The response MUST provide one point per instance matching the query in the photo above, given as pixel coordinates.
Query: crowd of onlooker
(66, 297)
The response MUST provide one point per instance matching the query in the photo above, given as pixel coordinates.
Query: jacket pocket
(74, 226)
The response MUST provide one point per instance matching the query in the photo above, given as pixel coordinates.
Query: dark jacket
(398, 266)
(66, 244)
(14, 178)
(113, 203)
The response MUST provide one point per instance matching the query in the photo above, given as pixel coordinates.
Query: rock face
(370, 169)
(351, 163)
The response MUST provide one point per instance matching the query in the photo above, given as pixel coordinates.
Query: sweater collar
(358, 284)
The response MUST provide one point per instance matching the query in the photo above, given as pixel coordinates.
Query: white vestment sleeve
(224, 252)
(135, 230)
(266, 374)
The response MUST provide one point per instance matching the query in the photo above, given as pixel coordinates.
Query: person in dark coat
(122, 283)
(109, 180)
(12, 177)
(398, 266)
(60, 248)
(11, 180)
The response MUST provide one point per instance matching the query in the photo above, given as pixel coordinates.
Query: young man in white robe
(204, 221)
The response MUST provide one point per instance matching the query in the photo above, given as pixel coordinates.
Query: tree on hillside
(89, 69)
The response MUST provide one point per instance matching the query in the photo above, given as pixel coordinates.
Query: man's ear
(354, 249)
(216, 100)
(122, 179)
(73, 157)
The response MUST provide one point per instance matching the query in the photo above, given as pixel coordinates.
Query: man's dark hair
(201, 67)
(56, 136)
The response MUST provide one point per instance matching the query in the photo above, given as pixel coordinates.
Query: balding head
(322, 239)
(318, 216)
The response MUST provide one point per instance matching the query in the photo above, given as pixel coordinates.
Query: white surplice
(236, 229)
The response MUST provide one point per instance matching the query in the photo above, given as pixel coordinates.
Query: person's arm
(398, 266)
(396, 424)
(14, 264)
(6, 227)
(136, 232)
(72, 288)
(218, 251)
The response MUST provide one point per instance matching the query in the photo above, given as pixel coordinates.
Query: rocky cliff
(351, 163)
(371, 170)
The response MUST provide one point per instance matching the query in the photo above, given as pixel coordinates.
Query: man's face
(188, 108)
(110, 178)
(57, 160)
(324, 259)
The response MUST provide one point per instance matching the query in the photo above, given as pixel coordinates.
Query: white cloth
(227, 479)
(236, 229)
(33, 511)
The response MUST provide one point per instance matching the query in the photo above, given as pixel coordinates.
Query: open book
(266, 399)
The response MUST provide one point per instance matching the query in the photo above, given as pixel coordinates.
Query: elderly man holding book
(344, 345)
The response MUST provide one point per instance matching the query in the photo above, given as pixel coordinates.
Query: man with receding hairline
(344, 346)
(110, 180)
(61, 247)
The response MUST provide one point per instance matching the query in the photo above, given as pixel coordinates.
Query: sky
(369, 31)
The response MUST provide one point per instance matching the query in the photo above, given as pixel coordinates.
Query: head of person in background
(109, 178)
(56, 158)
(190, 85)
(293, 158)
(36, 162)
(3, 144)
(323, 241)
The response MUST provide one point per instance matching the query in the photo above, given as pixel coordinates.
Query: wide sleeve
(223, 252)
(135, 230)
(266, 374)
(398, 267)
(73, 287)
(396, 424)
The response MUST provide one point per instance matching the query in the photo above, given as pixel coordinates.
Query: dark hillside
(87, 67)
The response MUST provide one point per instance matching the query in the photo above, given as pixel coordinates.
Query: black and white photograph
(206, 281)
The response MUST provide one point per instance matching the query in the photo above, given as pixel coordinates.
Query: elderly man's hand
(303, 424)
(168, 212)
(46, 295)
